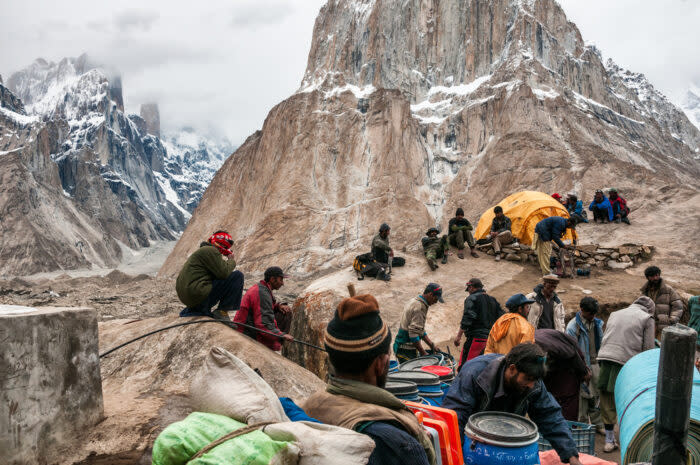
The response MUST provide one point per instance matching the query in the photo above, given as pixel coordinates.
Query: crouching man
(208, 278)
(513, 384)
(357, 341)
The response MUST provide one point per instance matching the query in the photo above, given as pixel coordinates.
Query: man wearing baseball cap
(407, 344)
(259, 309)
(357, 342)
(481, 311)
(512, 328)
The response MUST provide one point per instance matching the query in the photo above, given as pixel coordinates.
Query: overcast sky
(225, 64)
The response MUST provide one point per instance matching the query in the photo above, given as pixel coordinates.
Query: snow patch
(170, 194)
(545, 94)
(357, 92)
(462, 89)
(23, 120)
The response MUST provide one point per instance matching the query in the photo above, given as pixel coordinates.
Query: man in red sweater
(259, 309)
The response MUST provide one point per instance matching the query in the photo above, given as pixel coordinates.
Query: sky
(220, 66)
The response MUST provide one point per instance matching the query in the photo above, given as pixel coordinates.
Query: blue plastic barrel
(498, 438)
(635, 402)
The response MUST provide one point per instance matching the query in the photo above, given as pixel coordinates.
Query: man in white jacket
(629, 332)
(548, 310)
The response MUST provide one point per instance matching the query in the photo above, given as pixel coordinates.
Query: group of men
(612, 208)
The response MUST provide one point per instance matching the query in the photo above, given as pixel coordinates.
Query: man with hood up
(512, 328)
(629, 332)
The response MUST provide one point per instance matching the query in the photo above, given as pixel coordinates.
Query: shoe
(474, 254)
(460, 254)
(625, 220)
(610, 446)
(444, 259)
(498, 257)
(433, 266)
(618, 220)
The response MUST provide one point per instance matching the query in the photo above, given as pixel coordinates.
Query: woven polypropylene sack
(321, 444)
(182, 440)
(227, 386)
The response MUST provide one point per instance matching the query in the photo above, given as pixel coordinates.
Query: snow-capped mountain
(691, 105)
(101, 180)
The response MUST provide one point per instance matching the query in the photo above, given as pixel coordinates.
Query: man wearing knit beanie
(357, 341)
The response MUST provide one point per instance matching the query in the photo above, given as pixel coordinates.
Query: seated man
(500, 231)
(357, 341)
(512, 328)
(407, 345)
(208, 278)
(382, 251)
(512, 383)
(460, 230)
(548, 230)
(601, 208)
(619, 207)
(434, 247)
(575, 208)
(259, 309)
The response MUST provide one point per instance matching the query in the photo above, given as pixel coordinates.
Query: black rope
(230, 324)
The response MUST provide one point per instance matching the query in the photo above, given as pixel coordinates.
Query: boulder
(588, 248)
(625, 259)
(628, 249)
(618, 265)
(513, 257)
(614, 255)
(599, 257)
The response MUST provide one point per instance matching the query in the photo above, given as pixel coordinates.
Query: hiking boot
(625, 220)
(474, 254)
(460, 254)
(433, 266)
(444, 259)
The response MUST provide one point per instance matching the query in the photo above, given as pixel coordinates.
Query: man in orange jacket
(512, 328)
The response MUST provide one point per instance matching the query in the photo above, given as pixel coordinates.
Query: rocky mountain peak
(151, 115)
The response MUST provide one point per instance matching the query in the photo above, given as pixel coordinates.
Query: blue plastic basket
(583, 434)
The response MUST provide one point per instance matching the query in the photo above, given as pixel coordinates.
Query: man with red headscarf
(208, 278)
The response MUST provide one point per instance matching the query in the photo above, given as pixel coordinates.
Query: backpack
(366, 265)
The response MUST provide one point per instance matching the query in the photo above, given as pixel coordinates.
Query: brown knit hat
(357, 329)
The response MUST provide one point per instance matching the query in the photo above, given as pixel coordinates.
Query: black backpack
(366, 265)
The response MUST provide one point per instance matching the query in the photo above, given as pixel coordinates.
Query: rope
(231, 435)
(230, 324)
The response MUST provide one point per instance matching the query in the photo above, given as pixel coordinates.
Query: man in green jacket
(434, 247)
(208, 278)
(460, 230)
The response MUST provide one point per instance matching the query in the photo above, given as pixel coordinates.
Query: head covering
(459, 212)
(274, 271)
(436, 230)
(598, 191)
(222, 241)
(434, 289)
(516, 301)
(647, 303)
(356, 330)
(476, 282)
(612, 189)
(552, 278)
(384, 227)
(556, 196)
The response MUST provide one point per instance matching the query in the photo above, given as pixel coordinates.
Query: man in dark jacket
(434, 247)
(480, 313)
(357, 342)
(548, 230)
(500, 231)
(668, 304)
(208, 278)
(382, 251)
(460, 230)
(566, 369)
(259, 309)
(512, 383)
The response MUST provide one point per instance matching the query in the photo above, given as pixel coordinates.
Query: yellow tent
(525, 209)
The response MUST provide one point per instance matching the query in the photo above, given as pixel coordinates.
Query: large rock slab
(50, 390)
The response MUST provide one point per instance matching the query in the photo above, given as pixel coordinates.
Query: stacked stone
(618, 258)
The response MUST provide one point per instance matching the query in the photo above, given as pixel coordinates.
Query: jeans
(226, 292)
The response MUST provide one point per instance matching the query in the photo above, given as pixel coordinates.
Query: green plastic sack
(182, 440)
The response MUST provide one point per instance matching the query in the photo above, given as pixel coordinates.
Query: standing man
(382, 251)
(566, 369)
(500, 231)
(629, 331)
(668, 304)
(407, 344)
(434, 248)
(357, 342)
(547, 230)
(588, 332)
(512, 328)
(460, 230)
(208, 278)
(480, 313)
(547, 311)
(259, 309)
(513, 384)
(601, 208)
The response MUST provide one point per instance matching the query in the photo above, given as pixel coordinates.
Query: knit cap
(356, 330)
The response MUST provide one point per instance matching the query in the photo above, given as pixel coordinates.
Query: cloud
(253, 14)
(129, 20)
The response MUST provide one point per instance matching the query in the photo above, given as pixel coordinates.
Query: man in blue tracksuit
(512, 383)
(601, 207)
(548, 230)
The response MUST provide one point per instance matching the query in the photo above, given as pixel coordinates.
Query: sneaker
(609, 446)
(444, 259)
(498, 257)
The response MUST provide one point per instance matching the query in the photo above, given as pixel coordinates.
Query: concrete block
(50, 384)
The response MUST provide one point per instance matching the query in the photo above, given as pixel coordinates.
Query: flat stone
(625, 259)
(604, 251)
(614, 255)
(508, 250)
(513, 257)
(600, 257)
(628, 249)
(525, 247)
(588, 248)
(523, 256)
(590, 261)
(619, 265)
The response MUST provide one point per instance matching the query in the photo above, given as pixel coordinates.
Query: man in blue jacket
(588, 332)
(512, 383)
(548, 230)
(601, 208)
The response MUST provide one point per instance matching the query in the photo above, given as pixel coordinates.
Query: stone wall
(591, 255)
(50, 384)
